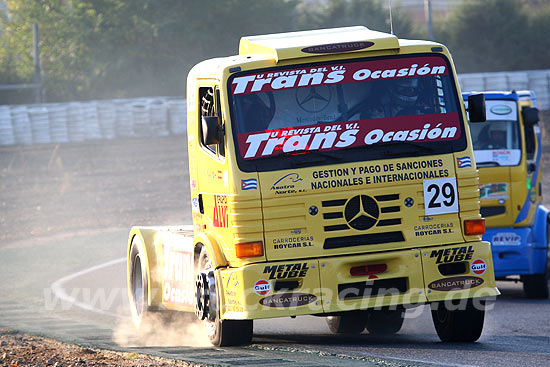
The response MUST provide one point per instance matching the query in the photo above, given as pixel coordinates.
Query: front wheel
(220, 332)
(538, 285)
(458, 322)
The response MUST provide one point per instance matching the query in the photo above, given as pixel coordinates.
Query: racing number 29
(440, 196)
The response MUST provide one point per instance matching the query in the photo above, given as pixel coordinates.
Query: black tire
(138, 284)
(538, 285)
(385, 322)
(224, 333)
(459, 324)
(351, 322)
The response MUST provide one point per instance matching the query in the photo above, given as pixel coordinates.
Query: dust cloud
(158, 329)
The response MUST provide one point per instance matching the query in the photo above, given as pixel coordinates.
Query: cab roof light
(474, 227)
(368, 270)
(249, 249)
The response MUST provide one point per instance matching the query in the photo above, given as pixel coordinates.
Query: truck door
(212, 173)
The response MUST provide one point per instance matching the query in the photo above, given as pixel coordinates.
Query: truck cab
(508, 154)
(332, 174)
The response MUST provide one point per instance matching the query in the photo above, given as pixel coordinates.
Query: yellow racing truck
(508, 152)
(327, 178)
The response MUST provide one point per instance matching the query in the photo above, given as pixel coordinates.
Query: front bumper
(318, 286)
(514, 251)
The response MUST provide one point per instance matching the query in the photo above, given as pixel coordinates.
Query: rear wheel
(458, 323)
(385, 322)
(137, 283)
(220, 332)
(538, 285)
(351, 322)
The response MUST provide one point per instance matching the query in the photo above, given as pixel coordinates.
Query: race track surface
(65, 215)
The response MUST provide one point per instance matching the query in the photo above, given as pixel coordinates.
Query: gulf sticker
(478, 266)
(340, 135)
(262, 287)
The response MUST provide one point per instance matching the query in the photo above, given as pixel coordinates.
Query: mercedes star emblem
(361, 212)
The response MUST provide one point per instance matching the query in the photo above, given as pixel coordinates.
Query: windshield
(497, 141)
(360, 107)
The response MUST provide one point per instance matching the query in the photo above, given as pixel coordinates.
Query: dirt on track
(18, 350)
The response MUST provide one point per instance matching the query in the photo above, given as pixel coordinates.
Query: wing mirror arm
(476, 108)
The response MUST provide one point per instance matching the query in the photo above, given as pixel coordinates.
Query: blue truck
(508, 154)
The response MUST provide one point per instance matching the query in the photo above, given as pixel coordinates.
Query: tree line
(95, 49)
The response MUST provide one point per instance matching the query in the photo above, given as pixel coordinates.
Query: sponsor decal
(262, 287)
(195, 205)
(286, 184)
(452, 254)
(478, 266)
(433, 229)
(341, 135)
(178, 285)
(298, 270)
(250, 184)
(464, 162)
(506, 239)
(292, 242)
(455, 283)
(296, 231)
(221, 215)
(352, 72)
(285, 300)
(215, 175)
(501, 109)
(376, 173)
(493, 191)
(337, 47)
(193, 184)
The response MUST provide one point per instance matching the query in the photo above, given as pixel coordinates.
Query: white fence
(536, 80)
(162, 116)
(93, 120)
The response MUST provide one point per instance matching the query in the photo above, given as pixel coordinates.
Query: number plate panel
(440, 196)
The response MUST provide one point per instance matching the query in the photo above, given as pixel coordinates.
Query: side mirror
(210, 130)
(476, 107)
(530, 115)
(531, 167)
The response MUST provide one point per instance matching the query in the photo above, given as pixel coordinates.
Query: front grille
(490, 211)
(361, 213)
(372, 288)
(363, 239)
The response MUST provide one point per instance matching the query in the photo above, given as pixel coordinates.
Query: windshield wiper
(488, 164)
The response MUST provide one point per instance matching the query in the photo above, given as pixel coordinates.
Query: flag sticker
(249, 184)
(464, 162)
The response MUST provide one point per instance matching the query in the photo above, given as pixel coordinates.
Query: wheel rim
(137, 285)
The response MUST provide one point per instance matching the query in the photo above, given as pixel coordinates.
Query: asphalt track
(66, 211)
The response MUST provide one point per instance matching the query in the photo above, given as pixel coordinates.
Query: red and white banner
(341, 135)
(339, 73)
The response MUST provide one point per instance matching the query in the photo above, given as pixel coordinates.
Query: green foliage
(495, 35)
(131, 48)
(372, 14)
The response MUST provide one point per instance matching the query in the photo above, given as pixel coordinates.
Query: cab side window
(210, 106)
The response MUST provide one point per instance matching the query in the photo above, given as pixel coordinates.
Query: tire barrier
(93, 120)
(536, 80)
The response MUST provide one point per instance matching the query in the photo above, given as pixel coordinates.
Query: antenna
(391, 20)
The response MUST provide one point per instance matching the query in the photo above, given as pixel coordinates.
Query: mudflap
(459, 271)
